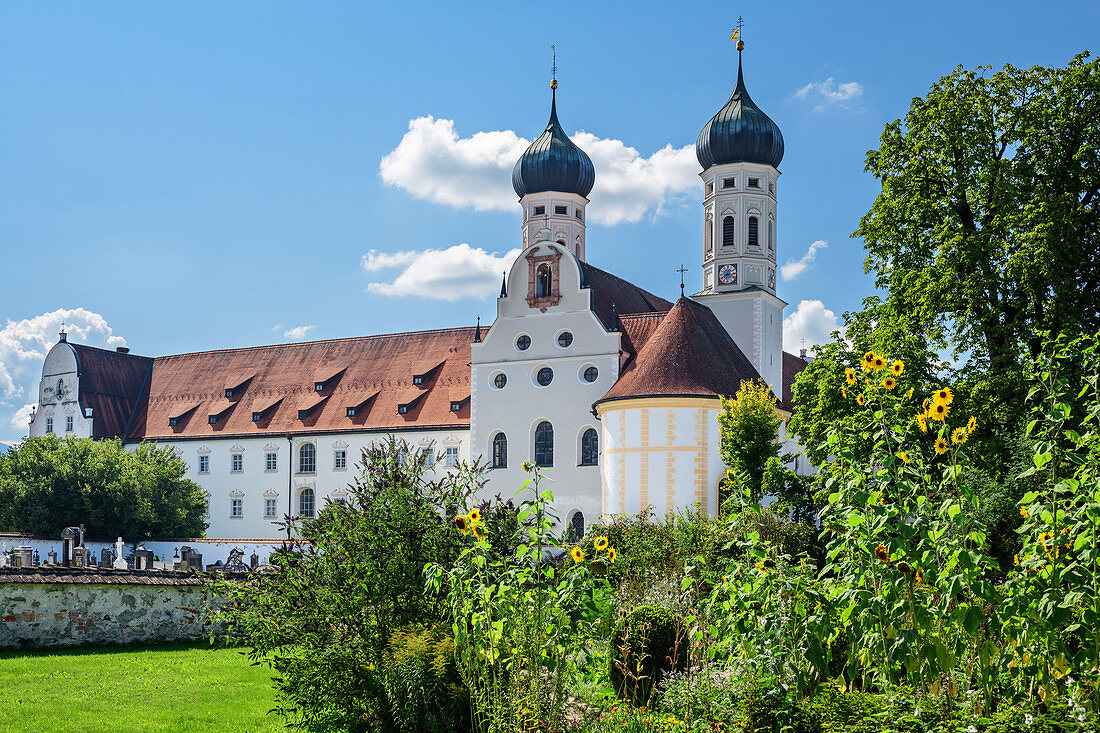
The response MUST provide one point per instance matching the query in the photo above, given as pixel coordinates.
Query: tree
(750, 433)
(47, 484)
(987, 229)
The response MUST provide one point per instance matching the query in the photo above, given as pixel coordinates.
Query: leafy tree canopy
(47, 484)
(749, 426)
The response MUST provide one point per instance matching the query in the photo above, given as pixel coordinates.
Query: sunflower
(611, 554)
(879, 364)
(904, 457)
(474, 515)
(897, 367)
(939, 412)
(882, 554)
(577, 554)
(463, 523)
(943, 396)
(861, 399)
(869, 361)
(971, 425)
(958, 435)
(850, 375)
(479, 532)
(905, 567)
(889, 383)
(601, 543)
(922, 422)
(941, 445)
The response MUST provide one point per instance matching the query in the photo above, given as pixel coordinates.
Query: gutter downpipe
(289, 481)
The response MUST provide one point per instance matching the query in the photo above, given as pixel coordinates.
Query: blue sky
(183, 177)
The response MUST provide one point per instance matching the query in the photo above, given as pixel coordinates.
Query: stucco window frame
(553, 259)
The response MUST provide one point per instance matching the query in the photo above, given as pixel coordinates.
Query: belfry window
(543, 281)
(544, 445)
(728, 231)
(559, 210)
(708, 236)
(771, 236)
(754, 232)
(500, 451)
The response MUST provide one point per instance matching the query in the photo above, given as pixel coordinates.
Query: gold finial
(554, 69)
(736, 34)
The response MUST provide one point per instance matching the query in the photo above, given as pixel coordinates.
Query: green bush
(797, 540)
(770, 708)
(646, 644)
(423, 683)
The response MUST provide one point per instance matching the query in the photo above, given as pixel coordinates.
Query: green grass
(171, 688)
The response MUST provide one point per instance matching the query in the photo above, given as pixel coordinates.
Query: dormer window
(540, 210)
(402, 409)
(257, 416)
(173, 421)
(418, 379)
(455, 406)
(303, 414)
(351, 412)
(318, 386)
(754, 183)
(213, 419)
(229, 394)
(561, 210)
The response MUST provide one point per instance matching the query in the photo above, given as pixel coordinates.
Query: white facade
(59, 410)
(562, 214)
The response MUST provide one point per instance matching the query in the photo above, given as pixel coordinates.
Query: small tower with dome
(740, 150)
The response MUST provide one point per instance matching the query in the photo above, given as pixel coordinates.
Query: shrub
(769, 707)
(423, 683)
(646, 644)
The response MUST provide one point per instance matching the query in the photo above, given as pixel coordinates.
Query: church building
(614, 391)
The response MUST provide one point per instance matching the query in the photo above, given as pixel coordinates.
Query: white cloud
(433, 163)
(791, 269)
(457, 272)
(828, 93)
(812, 321)
(24, 343)
(298, 332)
(21, 418)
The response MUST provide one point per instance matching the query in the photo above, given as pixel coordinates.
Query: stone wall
(58, 607)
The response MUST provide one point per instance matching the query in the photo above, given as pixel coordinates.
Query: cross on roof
(682, 270)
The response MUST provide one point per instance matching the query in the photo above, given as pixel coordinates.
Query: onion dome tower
(740, 150)
(553, 178)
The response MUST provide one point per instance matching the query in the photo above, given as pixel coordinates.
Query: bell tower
(740, 150)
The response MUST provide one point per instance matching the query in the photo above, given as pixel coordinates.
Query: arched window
(590, 448)
(544, 445)
(771, 236)
(708, 236)
(754, 232)
(727, 232)
(576, 523)
(306, 503)
(500, 451)
(307, 458)
(60, 388)
(542, 281)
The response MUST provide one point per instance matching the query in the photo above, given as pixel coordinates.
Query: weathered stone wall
(124, 609)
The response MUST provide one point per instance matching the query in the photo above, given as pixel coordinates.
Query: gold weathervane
(736, 34)
(554, 69)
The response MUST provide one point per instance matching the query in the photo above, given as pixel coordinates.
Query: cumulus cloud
(298, 332)
(23, 346)
(812, 321)
(433, 163)
(828, 93)
(791, 269)
(456, 272)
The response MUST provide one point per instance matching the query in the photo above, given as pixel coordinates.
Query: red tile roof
(111, 383)
(687, 353)
(612, 296)
(374, 373)
(792, 365)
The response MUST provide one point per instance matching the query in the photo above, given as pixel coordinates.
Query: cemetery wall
(42, 607)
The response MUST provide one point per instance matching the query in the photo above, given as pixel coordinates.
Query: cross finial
(682, 270)
(736, 34)
(554, 68)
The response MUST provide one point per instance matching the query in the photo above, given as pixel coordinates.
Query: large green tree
(47, 484)
(986, 231)
(749, 427)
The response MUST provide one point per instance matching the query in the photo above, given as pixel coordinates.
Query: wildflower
(463, 523)
(941, 445)
(1015, 559)
(919, 576)
(577, 554)
(879, 363)
(474, 515)
(1028, 719)
(601, 543)
(882, 554)
(942, 396)
(611, 555)
(971, 729)
(850, 375)
(971, 425)
(869, 361)
(904, 457)
(897, 367)
(958, 435)
(861, 399)
(889, 383)
(1023, 512)
(922, 422)
(938, 412)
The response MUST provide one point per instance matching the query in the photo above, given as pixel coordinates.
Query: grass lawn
(173, 688)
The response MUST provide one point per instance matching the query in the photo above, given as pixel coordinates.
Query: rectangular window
(580, 214)
(204, 464)
(351, 412)
(238, 509)
(452, 456)
(561, 209)
(228, 394)
(771, 188)
(709, 189)
(49, 424)
(318, 386)
(456, 406)
(213, 420)
(237, 462)
(402, 409)
(754, 183)
(729, 183)
(271, 461)
(427, 457)
(69, 423)
(269, 508)
(418, 379)
(540, 210)
(340, 460)
(257, 416)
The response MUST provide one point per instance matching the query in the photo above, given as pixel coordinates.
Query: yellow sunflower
(889, 383)
(882, 554)
(861, 399)
(879, 364)
(938, 412)
(474, 515)
(869, 361)
(601, 543)
(941, 445)
(971, 425)
(958, 435)
(463, 523)
(850, 375)
(922, 422)
(897, 367)
(943, 396)
(577, 554)
(611, 554)
(479, 532)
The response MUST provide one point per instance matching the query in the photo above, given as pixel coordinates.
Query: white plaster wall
(754, 320)
(60, 364)
(567, 227)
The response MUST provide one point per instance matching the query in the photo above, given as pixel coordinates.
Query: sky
(191, 176)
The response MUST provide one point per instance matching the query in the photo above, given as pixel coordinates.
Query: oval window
(545, 376)
(523, 342)
(565, 339)
(591, 374)
(500, 380)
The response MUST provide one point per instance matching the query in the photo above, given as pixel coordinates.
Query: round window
(523, 342)
(565, 339)
(500, 380)
(591, 374)
(545, 376)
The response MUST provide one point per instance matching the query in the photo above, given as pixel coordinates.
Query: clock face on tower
(727, 274)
